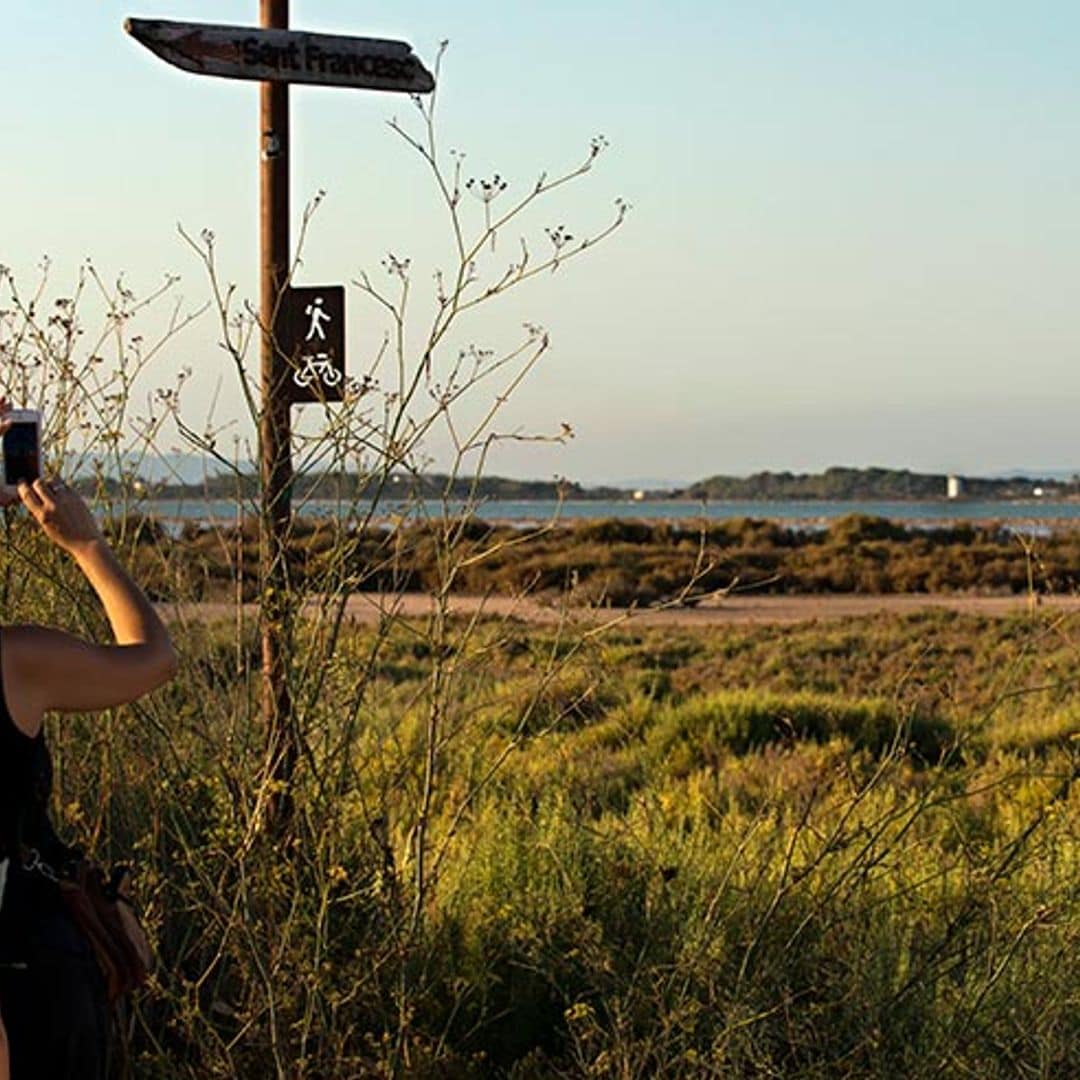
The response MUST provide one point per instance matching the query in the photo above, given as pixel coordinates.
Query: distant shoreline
(839, 483)
(793, 513)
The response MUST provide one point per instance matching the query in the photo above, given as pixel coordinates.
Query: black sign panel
(312, 337)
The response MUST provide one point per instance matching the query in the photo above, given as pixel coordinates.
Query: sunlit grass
(711, 875)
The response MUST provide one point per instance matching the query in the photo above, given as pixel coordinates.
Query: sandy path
(744, 609)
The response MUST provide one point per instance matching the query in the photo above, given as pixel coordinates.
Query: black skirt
(52, 993)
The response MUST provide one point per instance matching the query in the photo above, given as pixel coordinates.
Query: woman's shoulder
(20, 657)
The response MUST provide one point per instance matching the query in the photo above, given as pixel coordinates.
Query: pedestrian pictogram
(318, 316)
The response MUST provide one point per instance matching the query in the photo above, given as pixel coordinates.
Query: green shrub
(702, 730)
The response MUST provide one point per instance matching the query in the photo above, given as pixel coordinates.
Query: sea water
(807, 513)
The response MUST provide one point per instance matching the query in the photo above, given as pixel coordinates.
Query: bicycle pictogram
(317, 367)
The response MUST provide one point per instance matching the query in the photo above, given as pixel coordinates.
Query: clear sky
(855, 236)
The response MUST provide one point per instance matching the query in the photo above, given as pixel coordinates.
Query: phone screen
(21, 453)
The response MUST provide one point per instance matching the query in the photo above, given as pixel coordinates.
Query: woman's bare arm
(48, 669)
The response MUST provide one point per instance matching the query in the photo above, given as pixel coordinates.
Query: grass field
(825, 850)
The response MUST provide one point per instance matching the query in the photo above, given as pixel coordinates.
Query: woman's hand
(63, 516)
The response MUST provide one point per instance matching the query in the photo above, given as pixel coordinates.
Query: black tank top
(25, 787)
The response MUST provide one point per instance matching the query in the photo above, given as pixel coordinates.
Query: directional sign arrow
(292, 56)
(197, 50)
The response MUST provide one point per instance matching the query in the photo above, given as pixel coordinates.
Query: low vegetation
(814, 851)
(621, 563)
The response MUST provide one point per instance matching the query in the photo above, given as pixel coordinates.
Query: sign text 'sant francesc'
(313, 58)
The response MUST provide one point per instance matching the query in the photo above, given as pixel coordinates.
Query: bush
(706, 729)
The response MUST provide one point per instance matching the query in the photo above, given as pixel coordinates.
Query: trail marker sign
(302, 330)
(290, 56)
(312, 336)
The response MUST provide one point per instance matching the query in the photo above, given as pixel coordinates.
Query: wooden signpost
(275, 56)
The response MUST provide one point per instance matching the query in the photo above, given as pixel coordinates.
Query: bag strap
(29, 858)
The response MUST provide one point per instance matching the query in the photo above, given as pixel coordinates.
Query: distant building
(954, 487)
(639, 496)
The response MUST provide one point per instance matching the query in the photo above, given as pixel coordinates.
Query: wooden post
(275, 430)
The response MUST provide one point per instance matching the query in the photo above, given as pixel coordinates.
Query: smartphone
(22, 447)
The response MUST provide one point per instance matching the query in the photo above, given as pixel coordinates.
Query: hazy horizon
(853, 236)
(191, 469)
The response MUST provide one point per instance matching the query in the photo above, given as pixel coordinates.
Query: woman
(52, 996)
